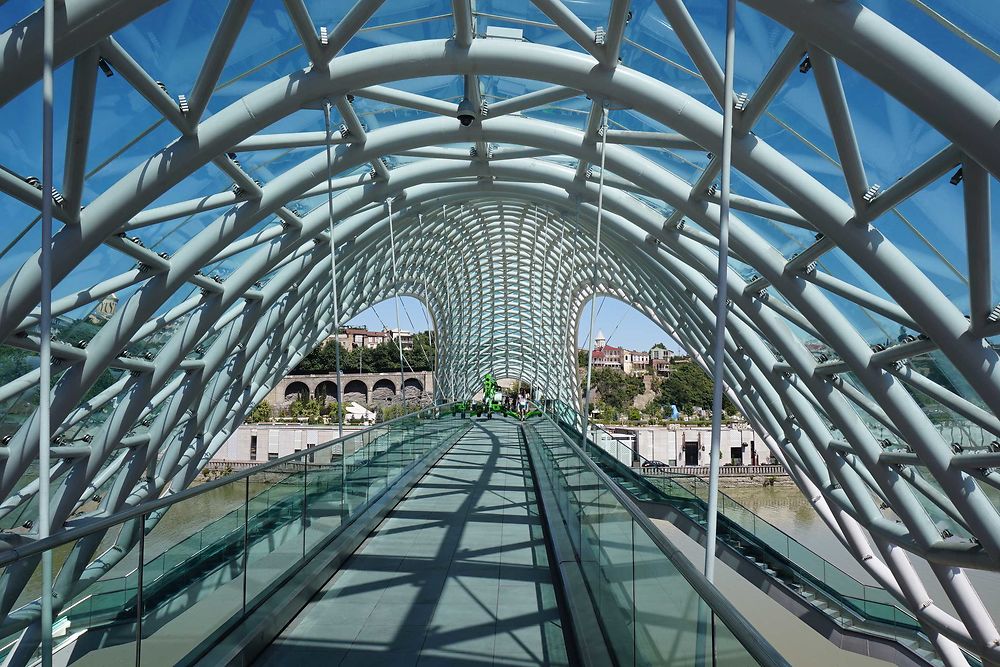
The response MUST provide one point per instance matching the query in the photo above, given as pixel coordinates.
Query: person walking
(522, 406)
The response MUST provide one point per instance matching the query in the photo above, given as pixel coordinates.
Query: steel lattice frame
(498, 245)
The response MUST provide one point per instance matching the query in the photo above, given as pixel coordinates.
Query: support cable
(333, 270)
(719, 342)
(597, 259)
(45, 333)
(399, 330)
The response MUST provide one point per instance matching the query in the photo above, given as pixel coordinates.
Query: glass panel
(275, 538)
(193, 570)
(665, 607)
(742, 529)
(325, 508)
(614, 591)
(193, 588)
(649, 612)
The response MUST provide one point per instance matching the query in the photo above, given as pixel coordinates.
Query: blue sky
(622, 324)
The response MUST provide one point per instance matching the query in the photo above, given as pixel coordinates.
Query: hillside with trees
(689, 387)
(383, 358)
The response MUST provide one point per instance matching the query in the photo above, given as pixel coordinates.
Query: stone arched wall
(384, 389)
(295, 390)
(412, 388)
(358, 387)
(327, 389)
(356, 391)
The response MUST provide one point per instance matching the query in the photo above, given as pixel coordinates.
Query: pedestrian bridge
(438, 538)
(800, 192)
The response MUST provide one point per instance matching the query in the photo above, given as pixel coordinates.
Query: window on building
(253, 448)
(271, 456)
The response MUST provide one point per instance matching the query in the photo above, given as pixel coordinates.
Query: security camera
(466, 112)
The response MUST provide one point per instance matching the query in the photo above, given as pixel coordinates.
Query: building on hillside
(404, 336)
(633, 362)
(355, 337)
(660, 353)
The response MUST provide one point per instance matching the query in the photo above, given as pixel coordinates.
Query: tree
(616, 388)
(421, 357)
(517, 389)
(605, 412)
(689, 387)
(383, 358)
(581, 358)
(323, 359)
(261, 412)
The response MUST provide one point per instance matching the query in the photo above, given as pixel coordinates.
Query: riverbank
(729, 476)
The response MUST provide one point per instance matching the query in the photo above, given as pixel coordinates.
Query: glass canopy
(194, 160)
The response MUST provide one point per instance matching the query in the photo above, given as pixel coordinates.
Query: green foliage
(15, 362)
(261, 412)
(617, 389)
(689, 387)
(517, 389)
(383, 358)
(104, 380)
(394, 410)
(323, 359)
(605, 412)
(311, 409)
(581, 358)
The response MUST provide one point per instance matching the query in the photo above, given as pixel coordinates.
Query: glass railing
(208, 556)
(739, 525)
(653, 605)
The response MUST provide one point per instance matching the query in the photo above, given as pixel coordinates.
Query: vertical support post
(434, 360)
(399, 331)
(333, 270)
(45, 326)
(597, 259)
(138, 590)
(246, 539)
(719, 342)
(305, 501)
(343, 480)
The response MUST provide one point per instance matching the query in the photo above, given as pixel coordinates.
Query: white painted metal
(827, 419)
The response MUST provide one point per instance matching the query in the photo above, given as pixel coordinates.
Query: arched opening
(632, 356)
(412, 388)
(383, 390)
(356, 391)
(296, 390)
(327, 390)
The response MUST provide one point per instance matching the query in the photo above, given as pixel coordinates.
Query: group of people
(493, 397)
(520, 404)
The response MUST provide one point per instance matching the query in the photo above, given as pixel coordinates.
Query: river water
(181, 521)
(789, 510)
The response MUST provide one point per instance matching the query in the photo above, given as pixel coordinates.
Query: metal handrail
(756, 645)
(14, 553)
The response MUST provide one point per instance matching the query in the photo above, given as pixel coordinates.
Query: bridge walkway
(457, 574)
